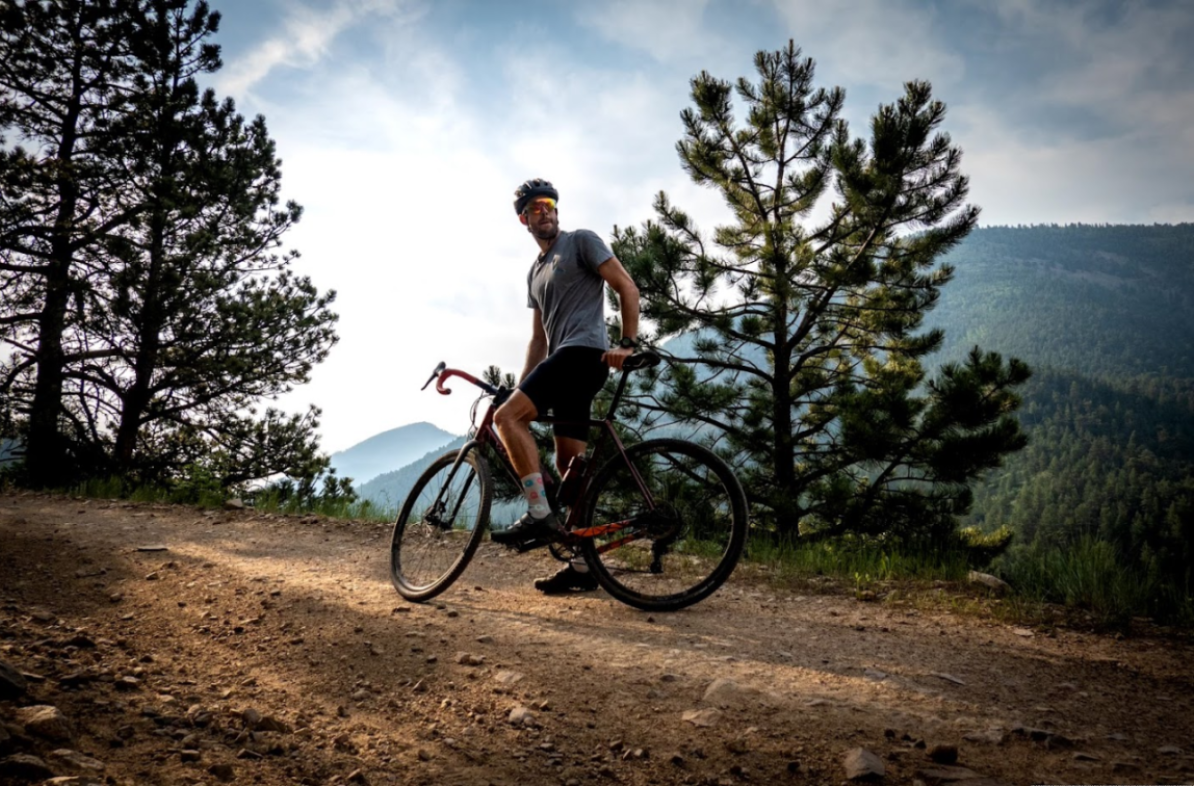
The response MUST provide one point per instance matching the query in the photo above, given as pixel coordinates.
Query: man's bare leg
(513, 422)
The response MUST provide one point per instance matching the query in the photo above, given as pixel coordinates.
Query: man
(568, 359)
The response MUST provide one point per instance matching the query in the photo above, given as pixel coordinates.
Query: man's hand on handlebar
(616, 356)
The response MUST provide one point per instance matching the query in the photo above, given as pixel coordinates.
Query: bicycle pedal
(536, 542)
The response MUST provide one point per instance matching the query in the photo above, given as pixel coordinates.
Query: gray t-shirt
(569, 292)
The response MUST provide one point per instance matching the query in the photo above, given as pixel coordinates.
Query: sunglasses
(540, 206)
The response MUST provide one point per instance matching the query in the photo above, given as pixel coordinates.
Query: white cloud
(667, 30)
(1127, 69)
(1020, 176)
(883, 43)
(305, 38)
(1126, 152)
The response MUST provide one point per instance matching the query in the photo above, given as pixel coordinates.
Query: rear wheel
(440, 525)
(677, 548)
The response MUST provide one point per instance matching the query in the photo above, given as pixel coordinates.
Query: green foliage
(1090, 574)
(981, 547)
(1104, 315)
(198, 485)
(139, 232)
(796, 348)
(202, 484)
(329, 496)
(865, 560)
(1108, 302)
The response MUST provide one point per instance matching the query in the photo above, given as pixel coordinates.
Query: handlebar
(438, 370)
(442, 373)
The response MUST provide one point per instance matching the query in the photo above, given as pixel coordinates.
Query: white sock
(532, 489)
(579, 565)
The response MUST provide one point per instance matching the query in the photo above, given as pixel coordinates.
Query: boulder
(862, 765)
(45, 721)
(993, 583)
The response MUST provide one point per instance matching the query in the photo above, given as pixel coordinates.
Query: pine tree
(204, 318)
(188, 315)
(793, 336)
(60, 65)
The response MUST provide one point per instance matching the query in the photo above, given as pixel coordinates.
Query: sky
(404, 127)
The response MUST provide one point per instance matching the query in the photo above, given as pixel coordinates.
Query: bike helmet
(538, 187)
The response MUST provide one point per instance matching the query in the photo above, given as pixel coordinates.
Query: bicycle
(661, 524)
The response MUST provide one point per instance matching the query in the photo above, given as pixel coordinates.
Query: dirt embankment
(165, 645)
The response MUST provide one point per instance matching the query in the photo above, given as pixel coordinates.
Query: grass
(1087, 584)
(356, 510)
(1091, 578)
(204, 495)
(862, 562)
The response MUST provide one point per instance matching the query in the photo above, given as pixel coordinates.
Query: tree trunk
(46, 454)
(787, 517)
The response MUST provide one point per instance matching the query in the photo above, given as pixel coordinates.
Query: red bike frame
(486, 434)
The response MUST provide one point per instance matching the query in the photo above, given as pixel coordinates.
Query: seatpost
(613, 405)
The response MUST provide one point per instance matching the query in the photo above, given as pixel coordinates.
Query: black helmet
(537, 187)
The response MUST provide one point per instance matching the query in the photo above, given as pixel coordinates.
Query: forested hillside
(1108, 301)
(1105, 316)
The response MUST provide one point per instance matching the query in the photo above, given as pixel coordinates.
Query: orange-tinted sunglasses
(539, 206)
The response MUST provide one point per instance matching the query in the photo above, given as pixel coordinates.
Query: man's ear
(522, 218)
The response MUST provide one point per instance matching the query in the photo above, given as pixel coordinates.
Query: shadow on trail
(300, 620)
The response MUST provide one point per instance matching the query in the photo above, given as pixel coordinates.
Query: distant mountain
(388, 451)
(389, 489)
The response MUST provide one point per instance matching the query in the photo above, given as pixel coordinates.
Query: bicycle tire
(428, 549)
(686, 548)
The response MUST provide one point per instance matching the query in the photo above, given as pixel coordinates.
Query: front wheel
(440, 524)
(670, 537)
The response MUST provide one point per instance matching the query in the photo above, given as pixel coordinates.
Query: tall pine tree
(203, 315)
(189, 315)
(61, 63)
(793, 335)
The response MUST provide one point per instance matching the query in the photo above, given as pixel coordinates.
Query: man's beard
(548, 232)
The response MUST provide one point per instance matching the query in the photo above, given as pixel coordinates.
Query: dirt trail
(269, 650)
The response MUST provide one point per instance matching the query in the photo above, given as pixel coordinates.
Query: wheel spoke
(439, 526)
(679, 544)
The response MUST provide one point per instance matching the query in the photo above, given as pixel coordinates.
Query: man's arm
(537, 349)
(620, 282)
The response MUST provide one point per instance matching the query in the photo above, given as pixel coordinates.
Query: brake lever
(438, 370)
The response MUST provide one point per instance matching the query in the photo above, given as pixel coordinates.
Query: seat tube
(638, 479)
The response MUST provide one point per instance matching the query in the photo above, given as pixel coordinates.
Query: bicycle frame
(486, 434)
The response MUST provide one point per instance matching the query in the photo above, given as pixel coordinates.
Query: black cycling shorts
(565, 384)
